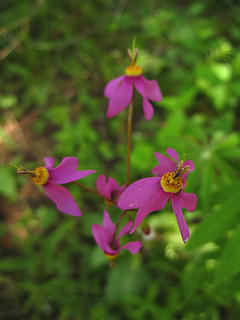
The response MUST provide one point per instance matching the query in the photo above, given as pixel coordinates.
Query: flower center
(171, 184)
(111, 257)
(133, 70)
(40, 175)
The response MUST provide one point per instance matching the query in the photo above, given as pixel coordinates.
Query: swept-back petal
(152, 90)
(66, 171)
(176, 205)
(188, 200)
(108, 224)
(113, 185)
(112, 86)
(49, 162)
(140, 85)
(126, 228)
(165, 165)
(173, 154)
(190, 164)
(102, 186)
(62, 198)
(155, 201)
(136, 193)
(121, 98)
(147, 109)
(101, 237)
(133, 247)
(148, 88)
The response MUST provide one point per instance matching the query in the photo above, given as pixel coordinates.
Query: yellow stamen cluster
(133, 70)
(170, 184)
(111, 257)
(40, 175)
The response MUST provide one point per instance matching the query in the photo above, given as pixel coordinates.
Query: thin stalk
(87, 188)
(129, 143)
(118, 223)
(107, 201)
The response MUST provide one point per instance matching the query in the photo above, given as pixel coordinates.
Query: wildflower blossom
(104, 236)
(151, 194)
(51, 178)
(120, 90)
(110, 189)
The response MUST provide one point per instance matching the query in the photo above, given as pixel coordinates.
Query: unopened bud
(146, 230)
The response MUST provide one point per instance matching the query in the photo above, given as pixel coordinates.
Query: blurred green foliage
(57, 57)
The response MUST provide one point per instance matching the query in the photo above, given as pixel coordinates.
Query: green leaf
(206, 186)
(124, 279)
(8, 187)
(229, 262)
(7, 101)
(217, 223)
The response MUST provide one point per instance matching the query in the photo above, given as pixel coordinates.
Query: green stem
(129, 143)
(118, 223)
(88, 189)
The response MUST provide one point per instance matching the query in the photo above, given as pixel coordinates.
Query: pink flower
(151, 194)
(120, 91)
(110, 189)
(51, 178)
(105, 237)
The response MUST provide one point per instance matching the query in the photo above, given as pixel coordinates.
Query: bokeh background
(56, 57)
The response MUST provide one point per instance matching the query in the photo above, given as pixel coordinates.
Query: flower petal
(102, 186)
(190, 164)
(66, 171)
(101, 237)
(121, 98)
(147, 109)
(176, 205)
(49, 162)
(125, 229)
(188, 201)
(113, 185)
(133, 247)
(136, 193)
(62, 198)
(155, 201)
(140, 85)
(108, 224)
(148, 88)
(165, 165)
(173, 154)
(152, 90)
(112, 86)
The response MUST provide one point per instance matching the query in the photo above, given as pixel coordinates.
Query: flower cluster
(144, 196)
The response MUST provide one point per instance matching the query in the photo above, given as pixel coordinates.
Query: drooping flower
(105, 237)
(151, 194)
(120, 90)
(110, 189)
(51, 180)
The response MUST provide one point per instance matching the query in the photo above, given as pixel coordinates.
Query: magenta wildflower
(51, 178)
(120, 91)
(104, 236)
(151, 194)
(110, 189)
